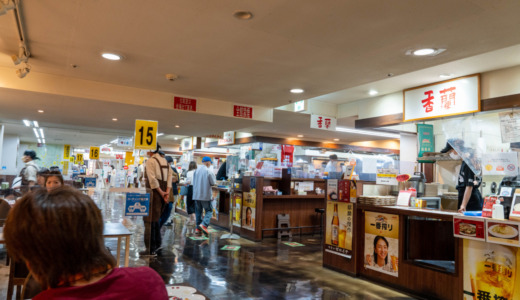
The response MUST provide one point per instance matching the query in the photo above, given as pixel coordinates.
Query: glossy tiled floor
(266, 270)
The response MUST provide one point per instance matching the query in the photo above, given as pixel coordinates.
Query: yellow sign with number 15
(145, 134)
(94, 152)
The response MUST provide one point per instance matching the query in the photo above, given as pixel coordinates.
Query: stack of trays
(377, 200)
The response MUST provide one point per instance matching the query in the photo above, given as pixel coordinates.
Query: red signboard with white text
(447, 98)
(182, 103)
(242, 111)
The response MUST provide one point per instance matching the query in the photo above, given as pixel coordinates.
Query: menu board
(502, 232)
(469, 228)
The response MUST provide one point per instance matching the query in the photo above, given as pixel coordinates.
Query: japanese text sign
(66, 151)
(242, 111)
(323, 122)
(228, 138)
(446, 98)
(182, 103)
(426, 139)
(137, 204)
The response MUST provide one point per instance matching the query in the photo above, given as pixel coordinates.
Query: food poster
(237, 209)
(215, 198)
(332, 190)
(249, 210)
(339, 228)
(382, 242)
(490, 271)
(502, 232)
(469, 228)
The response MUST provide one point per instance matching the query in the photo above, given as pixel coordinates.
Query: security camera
(171, 77)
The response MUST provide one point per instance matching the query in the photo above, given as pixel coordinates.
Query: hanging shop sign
(129, 158)
(79, 158)
(123, 141)
(119, 156)
(240, 111)
(137, 204)
(446, 98)
(187, 104)
(94, 153)
(382, 242)
(65, 167)
(426, 141)
(339, 228)
(187, 144)
(227, 139)
(510, 126)
(299, 106)
(500, 163)
(145, 134)
(66, 151)
(323, 122)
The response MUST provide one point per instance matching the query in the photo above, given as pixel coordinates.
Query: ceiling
(335, 50)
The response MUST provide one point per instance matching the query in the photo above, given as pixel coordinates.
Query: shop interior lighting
(114, 119)
(446, 75)
(336, 140)
(41, 133)
(425, 52)
(113, 141)
(43, 141)
(177, 126)
(175, 138)
(160, 134)
(36, 124)
(111, 56)
(373, 92)
(368, 132)
(297, 91)
(6, 6)
(36, 133)
(27, 123)
(40, 111)
(243, 15)
(300, 135)
(39, 141)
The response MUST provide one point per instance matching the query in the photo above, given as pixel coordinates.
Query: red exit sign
(182, 103)
(242, 112)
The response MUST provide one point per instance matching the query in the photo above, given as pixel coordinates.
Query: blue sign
(90, 182)
(137, 204)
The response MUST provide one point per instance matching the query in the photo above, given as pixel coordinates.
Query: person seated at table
(54, 180)
(59, 236)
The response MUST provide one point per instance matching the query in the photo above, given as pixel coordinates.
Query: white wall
(9, 154)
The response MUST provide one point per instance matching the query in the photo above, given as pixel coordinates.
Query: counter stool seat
(320, 211)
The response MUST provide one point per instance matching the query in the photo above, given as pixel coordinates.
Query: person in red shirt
(59, 236)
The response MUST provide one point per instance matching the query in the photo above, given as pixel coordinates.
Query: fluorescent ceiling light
(297, 91)
(177, 126)
(39, 141)
(336, 140)
(43, 141)
(368, 132)
(36, 124)
(114, 119)
(111, 56)
(27, 123)
(175, 138)
(160, 134)
(36, 133)
(41, 133)
(113, 141)
(373, 92)
(300, 135)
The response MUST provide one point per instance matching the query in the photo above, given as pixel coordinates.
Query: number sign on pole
(145, 134)
(94, 152)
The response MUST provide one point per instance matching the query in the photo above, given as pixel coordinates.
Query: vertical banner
(237, 203)
(382, 242)
(426, 141)
(66, 151)
(490, 271)
(129, 158)
(339, 228)
(249, 211)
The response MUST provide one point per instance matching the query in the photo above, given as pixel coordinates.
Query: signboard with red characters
(469, 228)
(323, 122)
(242, 111)
(182, 103)
(447, 98)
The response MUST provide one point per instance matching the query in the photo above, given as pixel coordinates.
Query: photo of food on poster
(490, 271)
(332, 189)
(249, 210)
(237, 206)
(382, 243)
(339, 228)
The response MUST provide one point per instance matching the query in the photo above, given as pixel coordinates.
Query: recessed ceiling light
(373, 92)
(422, 52)
(36, 124)
(27, 123)
(446, 75)
(243, 15)
(175, 138)
(40, 111)
(160, 134)
(177, 126)
(300, 135)
(336, 140)
(114, 119)
(111, 56)
(296, 91)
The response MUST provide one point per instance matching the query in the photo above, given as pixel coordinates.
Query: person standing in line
(140, 174)
(159, 179)
(113, 174)
(203, 179)
(173, 192)
(190, 204)
(29, 172)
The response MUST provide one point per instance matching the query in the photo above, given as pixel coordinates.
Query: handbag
(17, 182)
(184, 190)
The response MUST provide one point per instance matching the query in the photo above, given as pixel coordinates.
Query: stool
(320, 211)
(283, 222)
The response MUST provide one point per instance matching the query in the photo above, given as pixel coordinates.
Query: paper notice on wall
(500, 163)
(369, 165)
(510, 126)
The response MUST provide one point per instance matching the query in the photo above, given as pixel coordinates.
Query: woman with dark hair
(53, 180)
(41, 176)
(190, 204)
(379, 258)
(63, 247)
